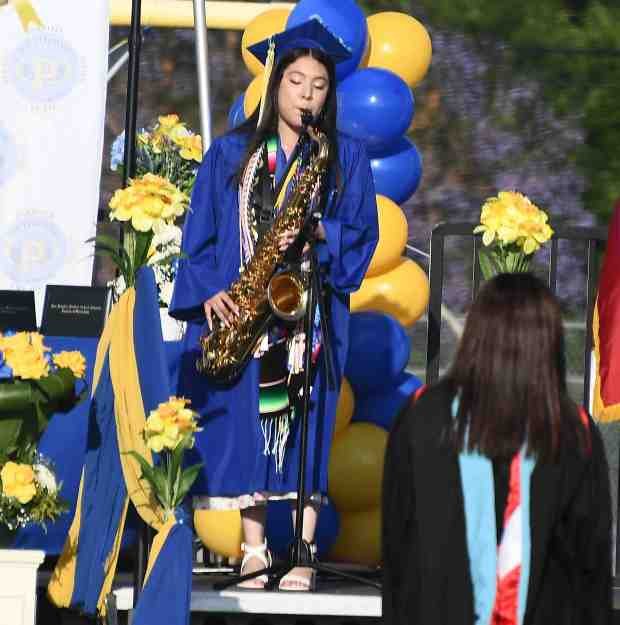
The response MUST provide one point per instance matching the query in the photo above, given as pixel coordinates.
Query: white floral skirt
(249, 501)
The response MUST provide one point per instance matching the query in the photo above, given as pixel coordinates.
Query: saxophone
(261, 291)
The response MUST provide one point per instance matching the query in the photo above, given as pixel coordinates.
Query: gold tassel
(271, 53)
(26, 13)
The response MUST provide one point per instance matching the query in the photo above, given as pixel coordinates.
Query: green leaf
(188, 477)
(152, 475)
(15, 395)
(487, 267)
(18, 429)
(143, 244)
(107, 240)
(57, 386)
(116, 259)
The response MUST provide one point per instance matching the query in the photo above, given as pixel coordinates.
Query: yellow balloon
(402, 292)
(393, 232)
(220, 531)
(356, 467)
(345, 408)
(359, 538)
(262, 26)
(400, 43)
(252, 95)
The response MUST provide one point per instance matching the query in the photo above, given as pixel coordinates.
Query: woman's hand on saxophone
(223, 306)
(286, 239)
(289, 236)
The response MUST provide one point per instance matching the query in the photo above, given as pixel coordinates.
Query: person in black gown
(496, 505)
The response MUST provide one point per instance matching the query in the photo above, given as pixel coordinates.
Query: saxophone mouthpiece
(307, 118)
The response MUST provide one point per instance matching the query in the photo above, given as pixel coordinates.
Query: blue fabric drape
(166, 596)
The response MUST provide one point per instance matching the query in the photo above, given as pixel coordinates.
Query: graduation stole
(249, 187)
(499, 574)
(279, 352)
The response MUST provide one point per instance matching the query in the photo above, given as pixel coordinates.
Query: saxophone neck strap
(281, 189)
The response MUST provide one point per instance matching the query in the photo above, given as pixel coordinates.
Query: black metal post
(298, 546)
(129, 170)
(133, 74)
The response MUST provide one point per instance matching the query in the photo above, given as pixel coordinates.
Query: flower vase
(18, 585)
(171, 329)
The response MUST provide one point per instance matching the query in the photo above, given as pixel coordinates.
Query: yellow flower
(157, 143)
(168, 425)
(73, 360)
(28, 364)
(149, 203)
(18, 480)
(171, 127)
(15, 342)
(24, 352)
(191, 148)
(511, 218)
(168, 121)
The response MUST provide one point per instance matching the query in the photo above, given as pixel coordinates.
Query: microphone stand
(300, 553)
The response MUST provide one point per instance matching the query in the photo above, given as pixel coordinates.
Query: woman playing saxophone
(250, 439)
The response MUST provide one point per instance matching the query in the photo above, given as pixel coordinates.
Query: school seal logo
(34, 249)
(44, 68)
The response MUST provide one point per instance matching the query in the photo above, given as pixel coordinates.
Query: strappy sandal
(302, 584)
(264, 556)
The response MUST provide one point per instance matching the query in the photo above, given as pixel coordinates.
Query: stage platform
(334, 603)
(331, 599)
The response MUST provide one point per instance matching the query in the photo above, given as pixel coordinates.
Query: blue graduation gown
(231, 445)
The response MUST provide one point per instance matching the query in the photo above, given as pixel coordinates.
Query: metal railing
(594, 240)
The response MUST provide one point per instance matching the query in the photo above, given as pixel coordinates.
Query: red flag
(606, 329)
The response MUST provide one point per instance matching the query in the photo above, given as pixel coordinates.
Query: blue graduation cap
(311, 34)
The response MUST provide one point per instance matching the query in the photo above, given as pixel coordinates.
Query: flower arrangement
(164, 258)
(167, 159)
(513, 228)
(145, 208)
(29, 494)
(169, 431)
(34, 383)
(168, 149)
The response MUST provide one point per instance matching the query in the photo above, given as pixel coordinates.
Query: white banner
(53, 66)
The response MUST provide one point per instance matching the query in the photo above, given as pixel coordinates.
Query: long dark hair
(510, 373)
(269, 124)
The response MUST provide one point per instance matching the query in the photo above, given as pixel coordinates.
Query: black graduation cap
(311, 34)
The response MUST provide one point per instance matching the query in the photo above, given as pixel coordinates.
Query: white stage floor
(331, 599)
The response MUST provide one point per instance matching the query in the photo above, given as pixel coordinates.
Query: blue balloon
(397, 171)
(279, 527)
(236, 114)
(344, 19)
(381, 408)
(376, 106)
(379, 351)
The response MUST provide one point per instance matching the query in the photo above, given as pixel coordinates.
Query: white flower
(165, 244)
(45, 478)
(118, 286)
(166, 236)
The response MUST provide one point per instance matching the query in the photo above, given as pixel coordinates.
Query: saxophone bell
(287, 295)
(287, 290)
